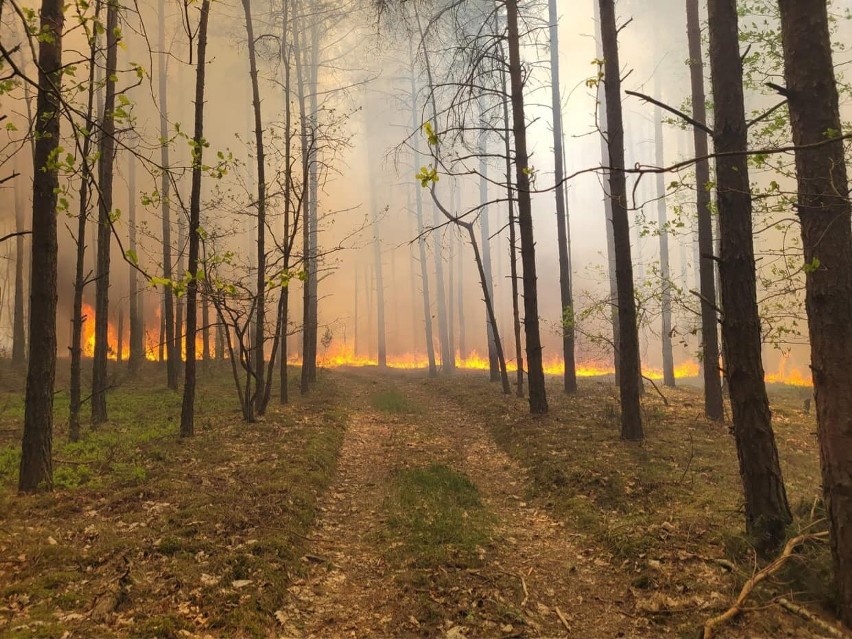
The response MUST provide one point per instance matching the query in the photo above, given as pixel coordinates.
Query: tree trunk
(826, 218)
(106, 161)
(379, 274)
(119, 353)
(421, 238)
(537, 392)
(447, 359)
(569, 377)
(260, 303)
(172, 349)
(36, 470)
(628, 342)
(713, 402)
(187, 413)
(460, 305)
(19, 336)
(766, 509)
(665, 274)
(485, 234)
(608, 224)
(137, 325)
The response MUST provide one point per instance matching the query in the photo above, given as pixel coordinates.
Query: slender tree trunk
(289, 237)
(535, 375)
(119, 353)
(377, 261)
(36, 470)
(137, 327)
(826, 218)
(260, 307)
(106, 165)
(75, 383)
(421, 238)
(172, 348)
(766, 509)
(569, 378)
(608, 210)
(451, 290)
(447, 359)
(187, 413)
(663, 222)
(713, 402)
(313, 184)
(485, 235)
(460, 297)
(628, 350)
(19, 336)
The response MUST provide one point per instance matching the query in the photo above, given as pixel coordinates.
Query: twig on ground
(526, 592)
(563, 619)
(759, 576)
(807, 615)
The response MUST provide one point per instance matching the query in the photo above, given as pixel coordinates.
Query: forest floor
(388, 504)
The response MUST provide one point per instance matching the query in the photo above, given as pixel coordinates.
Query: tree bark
(106, 166)
(187, 414)
(665, 274)
(826, 219)
(535, 375)
(713, 402)
(485, 234)
(628, 349)
(137, 314)
(19, 336)
(569, 377)
(447, 358)
(172, 350)
(766, 509)
(36, 470)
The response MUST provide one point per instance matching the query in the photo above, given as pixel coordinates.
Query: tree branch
(670, 109)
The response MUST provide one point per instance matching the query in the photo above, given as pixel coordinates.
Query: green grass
(437, 516)
(392, 401)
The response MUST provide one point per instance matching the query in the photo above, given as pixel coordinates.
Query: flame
(787, 374)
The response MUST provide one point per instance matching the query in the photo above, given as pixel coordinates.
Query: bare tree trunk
(137, 327)
(447, 359)
(608, 210)
(19, 336)
(569, 378)
(36, 470)
(663, 222)
(421, 238)
(766, 509)
(289, 238)
(713, 402)
(120, 330)
(172, 348)
(451, 290)
(377, 255)
(106, 162)
(826, 218)
(260, 306)
(485, 235)
(628, 348)
(460, 297)
(537, 392)
(187, 413)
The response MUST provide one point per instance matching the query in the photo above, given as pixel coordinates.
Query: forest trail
(533, 577)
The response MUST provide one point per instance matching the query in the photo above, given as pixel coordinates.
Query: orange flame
(787, 374)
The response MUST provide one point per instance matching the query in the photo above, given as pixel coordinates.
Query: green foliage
(427, 175)
(431, 136)
(437, 514)
(392, 401)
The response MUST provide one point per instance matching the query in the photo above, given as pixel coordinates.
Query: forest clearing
(389, 504)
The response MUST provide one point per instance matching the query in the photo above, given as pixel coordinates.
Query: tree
(569, 377)
(36, 471)
(19, 336)
(106, 158)
(137, 312)
(766, 509)
(535, 373)
(666, 293)
(713, 405)
(628, 342)
(187, 414)
(826, 219)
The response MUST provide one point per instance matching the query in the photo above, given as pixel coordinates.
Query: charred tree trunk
(172, 349)
(569, 377)
(260, 304)
(713, 402)
(106, 165)
(663, 223)
(766, 509)
(628, 350)
(826, 218)
(36, 470)
(537, 393)
(187, 413)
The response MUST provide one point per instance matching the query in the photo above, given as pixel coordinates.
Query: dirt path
(535, 579)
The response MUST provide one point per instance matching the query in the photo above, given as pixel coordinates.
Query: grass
(437, 517)
(654, 507)
(392, 401)
(189, 517)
